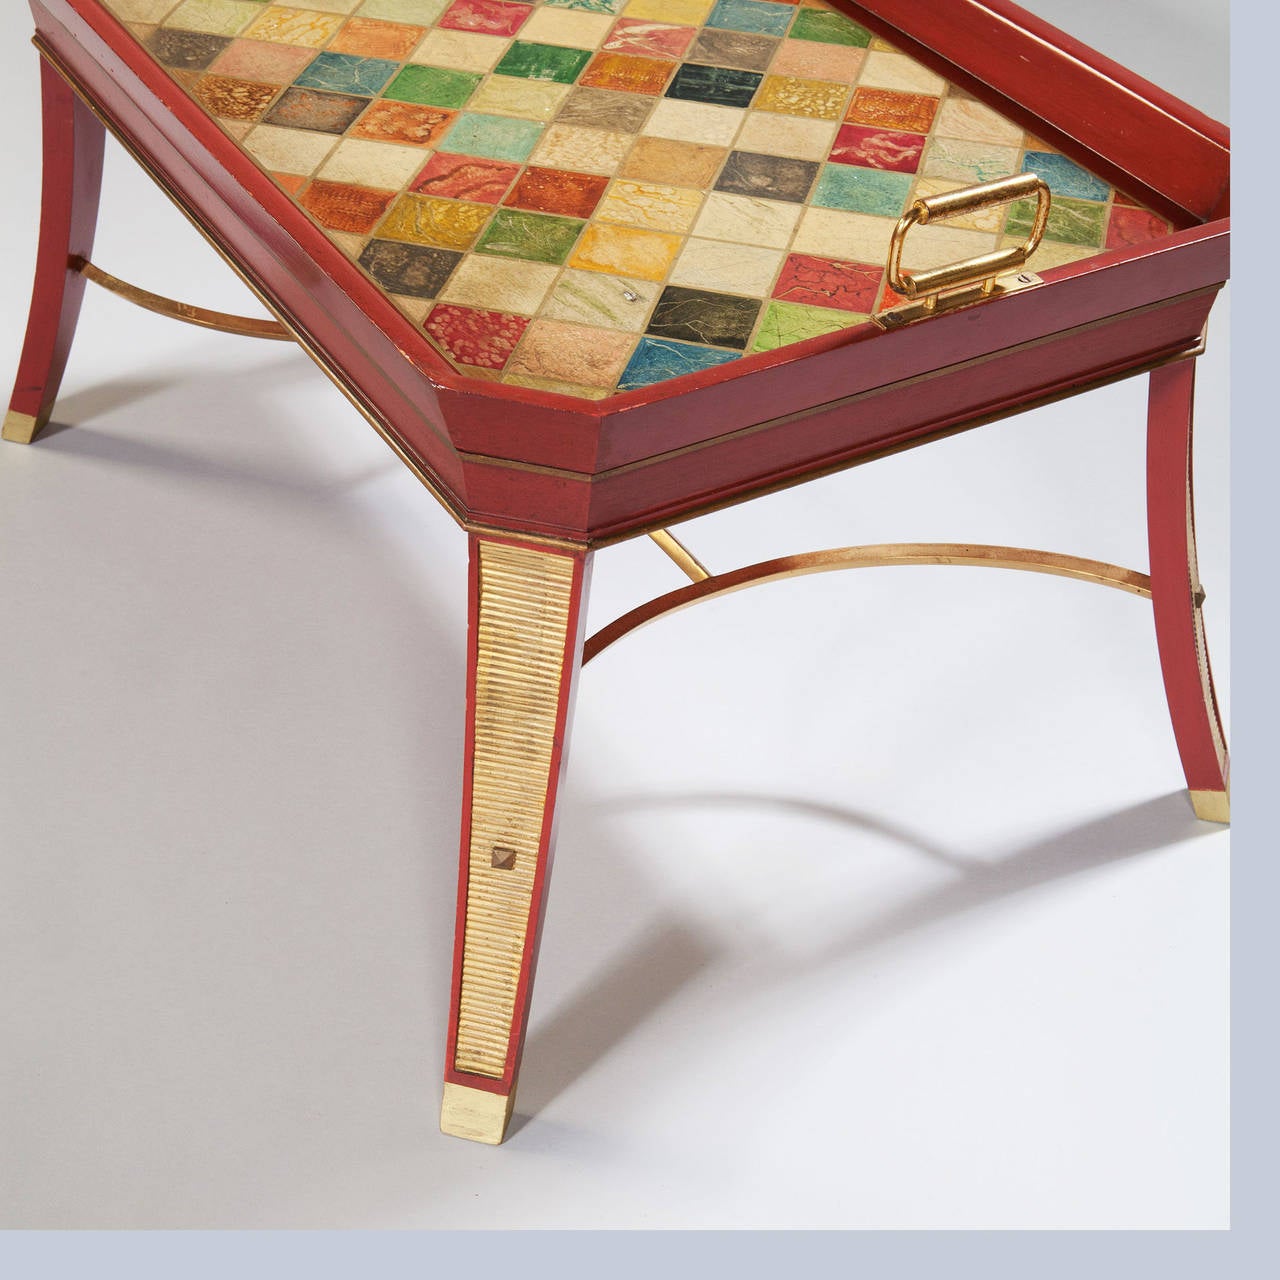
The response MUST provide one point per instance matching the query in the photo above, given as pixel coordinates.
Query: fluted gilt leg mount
(525, 646)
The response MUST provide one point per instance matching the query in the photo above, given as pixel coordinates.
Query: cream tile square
(415, 12)
(500, 284)
(851, 237)
(288, 150)
(648, 204)
(141, 10)
(352, 246)
(299, 26)
(966, 118)
(415, 308)
(1051, 253)
(572, 353)
(373, 164)
(694, 122)
(611, 302)
(513, 96)
(747, 220)
(727, 268)
(568, 27)
(897, 71)
(940, 244)
(215, 17)
(793, 136)
(236, 128)
(559, 388)
(565, 146)
(331, 6)
(969, 162)
(460, 50)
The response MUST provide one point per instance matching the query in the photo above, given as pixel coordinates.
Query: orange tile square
(627, 74)
(889, 109)
(370, 39)
(342, 207)
(404, 122)
(686, 164)
(624, 251)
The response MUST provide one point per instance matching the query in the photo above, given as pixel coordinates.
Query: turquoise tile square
(878, 191)
(752, 15)
(657, 359)
(495, 137)
(1065, 178)
(588, 6)
(346, 73)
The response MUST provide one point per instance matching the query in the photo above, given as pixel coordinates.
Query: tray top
(590, 196)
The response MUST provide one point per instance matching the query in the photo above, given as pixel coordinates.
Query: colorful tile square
(718, 48)
(529, 61)
(573, 353)
(496, 137)
(721, 86)
(626, 251)
(414, 270)
(432, 86)
(659, 360)
(486, 17)
(1070, 221)
(404, 122)
(873, 148)
(347, 73)
(1130, 226)
(232, 99)
(1065, 178)
(462, 177)
(343, 207)
(471, 336)
(538, 237)
(310, 109)
(573, 195)
(785, 323)
(827, 27)
(879, 191)
(748, 173)
(186, 50)
(752, 15)
(372, 39)
(605, 109)
(627, 73)
(888, 109)
(829, 282)
(648, 39)
(446, 224)
(792, 95)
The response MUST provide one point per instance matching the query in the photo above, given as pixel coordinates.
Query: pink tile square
(649, 39)
(486, 17)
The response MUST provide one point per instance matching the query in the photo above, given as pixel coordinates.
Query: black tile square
(186, 50)
(412, 269)
(747, 173)
(723, 86)
(698, 315)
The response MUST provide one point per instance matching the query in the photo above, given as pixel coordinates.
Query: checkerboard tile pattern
(590, 196)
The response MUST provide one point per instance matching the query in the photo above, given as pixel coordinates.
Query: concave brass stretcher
(540, 478)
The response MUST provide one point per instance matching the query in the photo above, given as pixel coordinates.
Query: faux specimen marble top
(589, 196)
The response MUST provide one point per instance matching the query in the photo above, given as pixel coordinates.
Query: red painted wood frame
(535, 463)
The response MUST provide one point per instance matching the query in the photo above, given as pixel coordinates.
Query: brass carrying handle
(955, 204)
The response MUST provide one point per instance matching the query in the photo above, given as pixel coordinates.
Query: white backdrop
(878, 902)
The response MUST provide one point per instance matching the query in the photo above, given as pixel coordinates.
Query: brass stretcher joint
(243, 326)
(875, 556)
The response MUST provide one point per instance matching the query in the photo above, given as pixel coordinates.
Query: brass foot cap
(20, 428)
(475, 1114)
(1212, 806)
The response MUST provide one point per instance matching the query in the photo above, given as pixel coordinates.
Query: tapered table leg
(1177, 595)
(525, 649)
(73, 146)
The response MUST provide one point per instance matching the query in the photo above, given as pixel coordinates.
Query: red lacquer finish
(534, 462)
(572, 665)
(73, 147)
(1175, 581)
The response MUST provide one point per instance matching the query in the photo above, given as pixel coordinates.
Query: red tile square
(1134, 226)
(485, 339)
(404, 122)
(558, 191)
(465, 178)
(878, 148)
(648, 39)
(342, 207)
(627, 74)
(486, 17)
(828, 282)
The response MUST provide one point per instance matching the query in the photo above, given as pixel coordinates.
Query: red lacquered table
(591, 267)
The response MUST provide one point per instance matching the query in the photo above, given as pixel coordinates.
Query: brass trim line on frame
(242, 326)
(876, 556)
(688, 563)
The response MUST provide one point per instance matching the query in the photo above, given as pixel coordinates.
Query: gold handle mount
(960, 283)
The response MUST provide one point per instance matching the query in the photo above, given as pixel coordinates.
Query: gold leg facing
(475, 1114)
(1212, 806)
(20, 428)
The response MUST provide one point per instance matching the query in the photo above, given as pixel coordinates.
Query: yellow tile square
(446, 224)
(681, 13)
(303, 27)
(513, 96)
(793, 96)
(623, 251)
(648, 204)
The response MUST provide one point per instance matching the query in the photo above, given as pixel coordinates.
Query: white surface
(877, 903)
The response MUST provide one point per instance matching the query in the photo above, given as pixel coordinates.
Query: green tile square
(494, 137)
(537, 237)
(1070, 221)
(543, 62)
(432, 86)
(879, 191)
(786, 322)
(828, 28)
